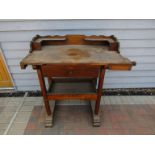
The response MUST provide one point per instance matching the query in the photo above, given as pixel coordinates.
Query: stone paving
(120, 115)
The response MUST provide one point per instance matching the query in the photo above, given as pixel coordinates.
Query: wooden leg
(99, 89)
(49, 119)
(43, 89)
(95, 106)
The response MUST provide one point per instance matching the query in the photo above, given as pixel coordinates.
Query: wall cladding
(136, 37)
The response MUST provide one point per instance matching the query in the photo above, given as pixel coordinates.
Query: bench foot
(50, 118)
(96, 121)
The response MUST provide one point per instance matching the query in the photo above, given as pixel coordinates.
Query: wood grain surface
(75, 54)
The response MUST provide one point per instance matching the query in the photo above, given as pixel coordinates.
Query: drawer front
(70, 71)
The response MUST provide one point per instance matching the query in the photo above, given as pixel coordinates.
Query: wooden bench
(72, 64)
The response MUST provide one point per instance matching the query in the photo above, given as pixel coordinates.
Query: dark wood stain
(77, 53)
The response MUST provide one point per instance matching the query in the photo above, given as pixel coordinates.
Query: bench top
(74, 54)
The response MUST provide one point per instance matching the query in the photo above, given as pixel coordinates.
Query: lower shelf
(72, 89)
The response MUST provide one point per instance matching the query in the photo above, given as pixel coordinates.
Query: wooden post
(99, 89)
(43, 89)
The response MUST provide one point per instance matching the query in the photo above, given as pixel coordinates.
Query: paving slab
(9, 105)
(28, 108)
(22, 117)
(5, 117)
(14, 131)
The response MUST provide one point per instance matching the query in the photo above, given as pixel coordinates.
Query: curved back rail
(109, 41)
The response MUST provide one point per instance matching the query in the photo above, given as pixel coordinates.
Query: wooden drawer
(70, 71)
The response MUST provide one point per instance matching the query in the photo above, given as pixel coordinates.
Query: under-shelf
(72, 89)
